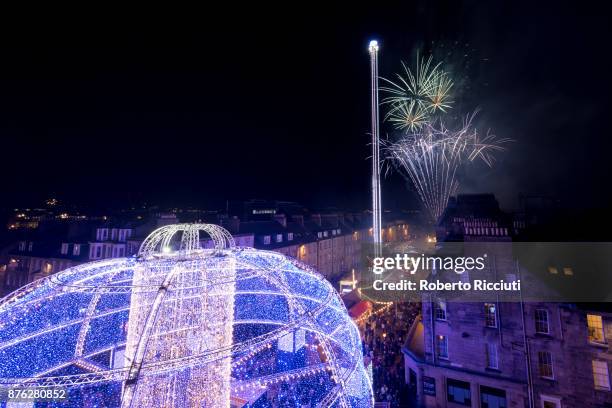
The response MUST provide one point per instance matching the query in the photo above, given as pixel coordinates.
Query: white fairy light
(189, 316)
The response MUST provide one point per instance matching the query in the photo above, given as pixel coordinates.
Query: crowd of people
(384, 334)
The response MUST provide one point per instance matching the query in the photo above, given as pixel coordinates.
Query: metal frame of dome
(175, 254)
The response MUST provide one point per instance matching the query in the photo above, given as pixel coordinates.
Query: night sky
(273, 103)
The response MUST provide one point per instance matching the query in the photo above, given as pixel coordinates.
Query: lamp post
(376, 206)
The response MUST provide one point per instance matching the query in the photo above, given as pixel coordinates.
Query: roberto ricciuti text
(424, 285)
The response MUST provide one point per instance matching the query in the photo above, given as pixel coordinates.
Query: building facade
(505, 354)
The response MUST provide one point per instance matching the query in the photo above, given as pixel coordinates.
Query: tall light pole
(376, 206)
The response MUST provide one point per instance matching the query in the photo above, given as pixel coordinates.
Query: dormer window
(101, 234)
(290, 236)
(267, 240)
(279, 237)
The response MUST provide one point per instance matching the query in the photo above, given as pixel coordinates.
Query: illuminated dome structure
(188, 322)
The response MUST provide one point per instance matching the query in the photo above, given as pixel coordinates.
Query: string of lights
(189, 314)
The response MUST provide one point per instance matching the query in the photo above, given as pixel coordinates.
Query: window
(490, 316)
(102, 234)
(440, 309)
(279, 237)
(320, 234)
(442, 346)
(325, 234)
(30, 245)
(98, 252)
(491, 352)
(22, 245)
(492, 397)
(458, 392)
(545, 365)
(541, 321)
(290, 236)
(595, 325)
(64, 249)
(552, 270)
(567, 271)
(76, 250)
(266, 240)
(601, 375)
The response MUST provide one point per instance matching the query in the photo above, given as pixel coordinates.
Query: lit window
(325, 233)
(601, 375)
(458, 392)
(440, 309)
(567, 271)
(267, 240)
(545, 365)
(552, 270)
(491, 351)
(290, 236)
(490, 316)
(64, 249)
(442, 346)
(279, 237)
(77, 249)
(320, 234)
(541, 321)
(596, 332)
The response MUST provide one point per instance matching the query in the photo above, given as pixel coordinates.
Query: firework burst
(414, 97)
(431, 157)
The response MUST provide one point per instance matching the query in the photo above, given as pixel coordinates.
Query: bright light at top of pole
(373, 45)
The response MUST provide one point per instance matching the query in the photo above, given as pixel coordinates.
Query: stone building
(511, 353)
